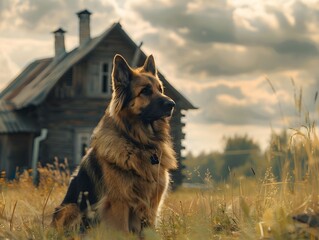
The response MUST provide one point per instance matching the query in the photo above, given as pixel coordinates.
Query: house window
(69, 78)
(99, 78)
(105, 78)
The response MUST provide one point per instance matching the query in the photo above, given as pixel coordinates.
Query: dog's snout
(169, 104)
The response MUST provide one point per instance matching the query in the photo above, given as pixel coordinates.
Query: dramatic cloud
(296, 48)
(233, 106)
(40, 16)
(193, 22)
(217, 53)
(26, 27)
(219, 39)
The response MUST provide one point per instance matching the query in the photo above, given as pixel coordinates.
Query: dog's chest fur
(129, 174)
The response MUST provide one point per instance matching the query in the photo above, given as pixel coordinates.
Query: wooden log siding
(62, 118)
(112, 45)
(3, 151)
(178, 136)
(115, 43)
(59, 143)
(65, 87)
(80, 71)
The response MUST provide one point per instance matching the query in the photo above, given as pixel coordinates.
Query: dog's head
(139, 92)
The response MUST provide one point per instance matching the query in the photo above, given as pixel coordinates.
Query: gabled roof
(15, 121)
(24, 78)
(33, 85)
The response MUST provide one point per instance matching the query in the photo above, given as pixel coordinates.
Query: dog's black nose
(169, 104)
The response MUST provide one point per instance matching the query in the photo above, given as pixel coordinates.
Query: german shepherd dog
(123, 178)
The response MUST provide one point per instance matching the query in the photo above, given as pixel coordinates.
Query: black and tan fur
(117, 179)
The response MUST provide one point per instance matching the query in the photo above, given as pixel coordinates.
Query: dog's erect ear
(121, 73)
(149, 65)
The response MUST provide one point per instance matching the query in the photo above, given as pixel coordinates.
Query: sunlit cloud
(219, 54)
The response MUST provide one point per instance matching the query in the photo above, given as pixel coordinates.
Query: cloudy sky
(219, 54)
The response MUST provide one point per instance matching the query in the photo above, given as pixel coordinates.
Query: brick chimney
(59, 45)
(84, 26)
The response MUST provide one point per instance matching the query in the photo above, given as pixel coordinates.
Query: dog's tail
(66, 217)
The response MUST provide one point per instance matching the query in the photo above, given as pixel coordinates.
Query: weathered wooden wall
(16, 152)
(3, 151)
(62, 118)
(178, 136)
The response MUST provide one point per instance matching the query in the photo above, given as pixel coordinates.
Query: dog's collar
(154, 159)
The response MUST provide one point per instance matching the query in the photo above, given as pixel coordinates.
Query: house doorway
(82, 143)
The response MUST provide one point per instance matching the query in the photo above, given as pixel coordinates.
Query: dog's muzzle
(159, 108)
(168, 107)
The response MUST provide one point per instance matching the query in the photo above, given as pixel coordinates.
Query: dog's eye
(147, 91)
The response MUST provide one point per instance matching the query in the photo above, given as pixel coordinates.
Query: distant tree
(240, 153)
(197, 167)
(278, 151)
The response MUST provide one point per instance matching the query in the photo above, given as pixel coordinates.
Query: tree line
(242, 156)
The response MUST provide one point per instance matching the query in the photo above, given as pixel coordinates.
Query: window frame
(101, 80)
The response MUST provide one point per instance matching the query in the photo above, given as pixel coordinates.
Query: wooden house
(50, 109)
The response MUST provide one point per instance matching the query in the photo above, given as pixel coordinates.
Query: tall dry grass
(25, 210)
(242, 208)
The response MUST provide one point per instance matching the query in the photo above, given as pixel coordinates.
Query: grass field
(259, 207)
